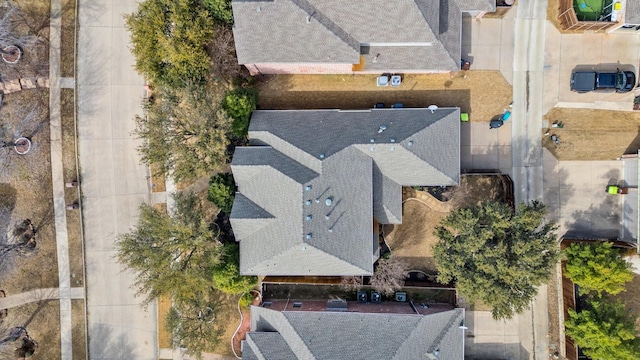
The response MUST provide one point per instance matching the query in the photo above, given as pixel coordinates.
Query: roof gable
(321, 220)
(331, 335)
(389, 34)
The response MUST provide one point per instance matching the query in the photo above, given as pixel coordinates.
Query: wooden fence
(569, 21)
(569, 302)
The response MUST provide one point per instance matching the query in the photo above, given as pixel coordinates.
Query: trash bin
(464, 117)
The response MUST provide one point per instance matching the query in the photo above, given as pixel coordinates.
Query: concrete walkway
(57, 177)
(38, 295)
(526, 145)
(114, 182)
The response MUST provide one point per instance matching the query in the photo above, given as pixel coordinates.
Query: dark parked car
(618, 81)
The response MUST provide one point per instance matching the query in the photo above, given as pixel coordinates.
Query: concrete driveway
(604, 51)
(482, 148)
(490, 339)
(574, 192)
(114, 182)
(488, 43)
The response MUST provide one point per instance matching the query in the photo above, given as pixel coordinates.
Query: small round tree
(222, 189)
(597, 267)
(389, 276)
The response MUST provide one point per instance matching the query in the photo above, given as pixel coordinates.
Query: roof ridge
(329, 24)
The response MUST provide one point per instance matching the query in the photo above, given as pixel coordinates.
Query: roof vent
(329, 201)
(309, 217)
(382, 128)
(432, 108)
(372, 140)
(410, 143)
(308, 187)
(310, 17)
(371, 148)
(392, 148)
(303, 248)
(258, 9)
(308, 202)
(321, 156)
(309, 236)
(392, 140)
(326, 217)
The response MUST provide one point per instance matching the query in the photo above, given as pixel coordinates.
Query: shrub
(222, 190)
(239, 103)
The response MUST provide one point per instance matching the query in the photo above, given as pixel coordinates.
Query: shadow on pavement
(103, 345)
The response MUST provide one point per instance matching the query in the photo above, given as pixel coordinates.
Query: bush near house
(222, 189)
(239, 103)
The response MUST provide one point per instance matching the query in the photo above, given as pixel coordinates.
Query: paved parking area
(483, 148)
(604, 51)
(490, 339)
(575, 195)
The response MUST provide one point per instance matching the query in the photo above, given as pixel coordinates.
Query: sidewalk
(38, 295)
(57, 178)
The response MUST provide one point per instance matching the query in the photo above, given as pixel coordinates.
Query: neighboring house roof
(354, 336)
(313, 180)
(385, 34)
(632, 12)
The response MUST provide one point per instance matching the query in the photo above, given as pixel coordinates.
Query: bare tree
(28, 125)
(351, 283)
(224, 63)
(389, 276)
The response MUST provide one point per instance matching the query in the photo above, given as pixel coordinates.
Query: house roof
(632, 12)
(388, 34)
(312, 181)
(352, 335)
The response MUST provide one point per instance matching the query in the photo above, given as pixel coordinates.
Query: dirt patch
(482, 94)
(78, 329)
(589, 134)
(412, 240)
(158, 181)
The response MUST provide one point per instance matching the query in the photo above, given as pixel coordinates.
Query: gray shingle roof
(632, 12)
(308, 191)
(354, 336)
(399, 34)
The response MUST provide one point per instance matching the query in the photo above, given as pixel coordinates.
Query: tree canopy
(172, 255)
(168, 41)
(597, 267)
(604, 331)
(495, 256)
(184, 132)
(222, 190)
(227, 276)
(192, 324)
(220, 10)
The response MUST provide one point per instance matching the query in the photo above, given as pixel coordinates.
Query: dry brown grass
(158, 182)
(164, 338)
(482, 94)
(593, 134)
(71, 194)
(30, 178)
(78, 330)
(67, 38)
(42, 321)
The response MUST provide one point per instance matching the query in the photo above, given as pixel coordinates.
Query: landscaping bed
(482, 94)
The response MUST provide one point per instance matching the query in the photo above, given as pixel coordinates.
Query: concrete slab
(490, 339)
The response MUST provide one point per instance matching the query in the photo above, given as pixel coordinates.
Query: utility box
(401, 296)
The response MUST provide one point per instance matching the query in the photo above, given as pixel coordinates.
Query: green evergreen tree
(604, 331)
(495, 256)
(597, 267)
(222, 190)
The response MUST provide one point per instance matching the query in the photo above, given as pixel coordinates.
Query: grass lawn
(482, 94)
(42, 321)
(593, 134)
(67, 38)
